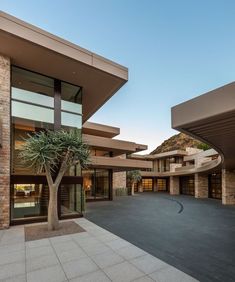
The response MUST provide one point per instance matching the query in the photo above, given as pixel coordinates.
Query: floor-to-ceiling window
(40, 103)
(187, 186)
(147, 184)
(162, 184)
(97, 183)
(215, 185)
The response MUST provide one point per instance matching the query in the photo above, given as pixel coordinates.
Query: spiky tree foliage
(134, 177)
(53, 152)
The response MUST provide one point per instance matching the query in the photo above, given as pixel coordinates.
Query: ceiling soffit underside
(219, 133)
(98, 86)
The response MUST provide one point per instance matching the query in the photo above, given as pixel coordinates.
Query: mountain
(179, 142)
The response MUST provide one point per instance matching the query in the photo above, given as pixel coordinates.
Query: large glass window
(71, 199)
(96, 183)
(187, 185)
(147, 184)
(71, 105)
(215, 185)
(29, 200)
(162, 184)
(33, 110)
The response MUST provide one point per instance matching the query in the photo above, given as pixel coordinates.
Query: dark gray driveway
(196, 236)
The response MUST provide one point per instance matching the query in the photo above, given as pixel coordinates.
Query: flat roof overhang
(119, 164)
(175, 153)
(32, 48)
(211, 119)
(117, 147)
(208, 167)
(97, 129)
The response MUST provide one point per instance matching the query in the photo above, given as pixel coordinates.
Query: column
(201, 185)
(228, 187)
(155, 184)
(119, 181)
(174, 185)
(5, 125)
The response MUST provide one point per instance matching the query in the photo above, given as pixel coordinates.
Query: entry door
(215, 186)
(162, 185)
(187, 185)
(147, 184)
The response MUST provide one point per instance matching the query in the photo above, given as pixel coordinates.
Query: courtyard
(91, 255)
(194, 235)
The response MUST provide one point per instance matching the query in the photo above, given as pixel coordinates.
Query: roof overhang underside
(119, 164)
(32, 48)
(211, 119)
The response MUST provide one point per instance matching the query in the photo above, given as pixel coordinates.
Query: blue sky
(175, 50)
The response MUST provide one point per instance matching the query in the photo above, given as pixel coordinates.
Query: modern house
(209, 118)
(49, 83)
(179, 172)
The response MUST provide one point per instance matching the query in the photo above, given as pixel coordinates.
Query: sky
(174, 50)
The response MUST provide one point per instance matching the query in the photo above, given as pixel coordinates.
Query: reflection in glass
(29, 200)
(32, 112)
(71, 199)
(96, 183)
(187, 185)
(162, 184)
(147, 184)
(71, 120)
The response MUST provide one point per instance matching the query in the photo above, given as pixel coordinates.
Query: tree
(203, 146)
(53, 152)
(135, 177)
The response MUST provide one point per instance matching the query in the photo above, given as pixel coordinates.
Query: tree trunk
(133, 189)
(53, 221)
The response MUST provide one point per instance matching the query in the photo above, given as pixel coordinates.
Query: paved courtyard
(196, 236)
(92, 256)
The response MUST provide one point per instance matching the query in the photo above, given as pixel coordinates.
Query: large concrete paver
(96, 255)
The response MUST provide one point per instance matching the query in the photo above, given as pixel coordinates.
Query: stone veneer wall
(5, 142)
(174, 185)
(228, 187)
(201, 185)
(119, 180)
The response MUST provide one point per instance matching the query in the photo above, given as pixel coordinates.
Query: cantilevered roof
(32, 48)
(210, 118)
(168, 154)
(119, 164)
(98, 129)
(117, 147)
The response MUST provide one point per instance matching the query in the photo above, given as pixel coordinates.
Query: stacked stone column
(5, 126)
(174, 185)
(201, 185)
(228, 187)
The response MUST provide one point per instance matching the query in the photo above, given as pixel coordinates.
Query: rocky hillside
(177, 142)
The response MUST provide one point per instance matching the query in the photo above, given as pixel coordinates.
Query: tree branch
(48, 175)
(62, 170)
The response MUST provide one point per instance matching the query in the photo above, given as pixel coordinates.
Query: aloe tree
(53, 152)
(135, 177)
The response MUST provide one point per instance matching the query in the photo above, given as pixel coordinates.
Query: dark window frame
(41, 179)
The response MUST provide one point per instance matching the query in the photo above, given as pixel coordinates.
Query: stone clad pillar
(201, 185)
(155, 188)
(228, 187)
(5, 125)
(174, 185)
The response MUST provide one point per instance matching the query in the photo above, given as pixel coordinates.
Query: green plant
(203, 146)
(134, 176)
(53, 152)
